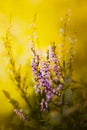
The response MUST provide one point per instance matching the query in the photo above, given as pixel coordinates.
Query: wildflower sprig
(15, 71)
(7, 44)
(47, 75)
(33, 38)
(67, 46)
(20, 114)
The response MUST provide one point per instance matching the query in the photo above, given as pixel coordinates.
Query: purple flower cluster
(47, 74)
(56, 63)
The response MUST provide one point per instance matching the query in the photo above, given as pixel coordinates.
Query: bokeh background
(48, 12)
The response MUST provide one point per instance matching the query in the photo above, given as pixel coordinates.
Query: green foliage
(68, 96)
(11, 100)
(6, 94)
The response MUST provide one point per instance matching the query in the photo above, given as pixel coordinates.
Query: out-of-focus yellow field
(48, 24)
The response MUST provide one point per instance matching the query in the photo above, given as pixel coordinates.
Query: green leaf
(6, 94)
(68, 80)
(68, 96)
(14, 103)
(65, 110)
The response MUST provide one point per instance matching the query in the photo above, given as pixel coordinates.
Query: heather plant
(48, 76)
(54, 102)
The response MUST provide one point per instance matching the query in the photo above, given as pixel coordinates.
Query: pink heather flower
(59, 87)
(20, 114)
(46, 75)
(44, 105)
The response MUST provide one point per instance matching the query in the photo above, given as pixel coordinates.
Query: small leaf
(68, 80)
(65, 110)
(68, 96)
(61, 102)
(14, 103)
(6, 94)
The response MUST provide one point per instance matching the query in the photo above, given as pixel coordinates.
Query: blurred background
(48, 22)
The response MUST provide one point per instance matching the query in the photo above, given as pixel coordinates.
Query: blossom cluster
(47, 75)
